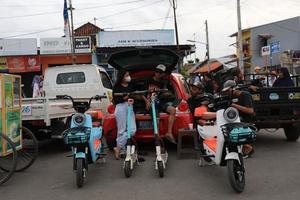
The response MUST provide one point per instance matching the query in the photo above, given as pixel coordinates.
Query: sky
(44, 18)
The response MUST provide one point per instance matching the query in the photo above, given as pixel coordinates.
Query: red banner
(17, 64)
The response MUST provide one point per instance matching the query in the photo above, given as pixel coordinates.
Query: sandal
(170, 138)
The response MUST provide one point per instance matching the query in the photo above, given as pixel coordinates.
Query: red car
(141, 64)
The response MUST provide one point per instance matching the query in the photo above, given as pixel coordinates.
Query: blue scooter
(161, 151)
(85, 139)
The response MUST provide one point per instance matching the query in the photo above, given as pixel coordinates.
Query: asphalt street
(273, 173)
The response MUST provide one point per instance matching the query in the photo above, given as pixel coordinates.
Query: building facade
(282, 35)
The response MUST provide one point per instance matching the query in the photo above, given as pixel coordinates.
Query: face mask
(127, 79)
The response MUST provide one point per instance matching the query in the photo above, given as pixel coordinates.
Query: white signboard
(62, 45)
(265, 51)
(55, 45)
(13, 47)
(136, 38)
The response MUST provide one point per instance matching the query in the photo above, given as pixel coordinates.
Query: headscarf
(285, 81)
(36, 80)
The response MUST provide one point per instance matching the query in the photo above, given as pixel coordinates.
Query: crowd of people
(198, 86)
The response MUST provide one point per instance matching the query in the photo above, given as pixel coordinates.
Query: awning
(208, 67)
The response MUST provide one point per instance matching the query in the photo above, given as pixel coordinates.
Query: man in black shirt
(166, 99)
(244, 106)
(194, 101)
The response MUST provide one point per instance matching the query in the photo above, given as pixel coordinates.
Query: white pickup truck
(49, 116)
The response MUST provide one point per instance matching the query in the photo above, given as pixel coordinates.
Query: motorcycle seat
(211, 143)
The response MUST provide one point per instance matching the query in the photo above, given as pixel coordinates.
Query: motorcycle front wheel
(79, 172)
(236, 174)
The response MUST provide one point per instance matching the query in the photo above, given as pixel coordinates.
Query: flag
(66, 19)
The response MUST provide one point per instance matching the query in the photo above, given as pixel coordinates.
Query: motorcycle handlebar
(140, 92)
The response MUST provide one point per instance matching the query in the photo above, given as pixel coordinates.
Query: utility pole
(72, 33)
(207, 46)
(207, 40)
(240, 40)
(174, 5)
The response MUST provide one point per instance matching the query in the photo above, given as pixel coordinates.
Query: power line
(56, 28)
(80, 9)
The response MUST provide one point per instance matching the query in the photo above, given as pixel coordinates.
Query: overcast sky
(20, 17)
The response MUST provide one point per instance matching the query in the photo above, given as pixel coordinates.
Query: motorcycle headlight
(231, 114)
(79, 119)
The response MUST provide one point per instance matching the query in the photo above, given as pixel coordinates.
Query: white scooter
(224, 138)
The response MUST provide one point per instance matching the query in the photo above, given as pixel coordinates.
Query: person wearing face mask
(122, 85)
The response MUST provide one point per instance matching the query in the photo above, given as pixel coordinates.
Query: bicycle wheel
(9, 161)
(29, 151)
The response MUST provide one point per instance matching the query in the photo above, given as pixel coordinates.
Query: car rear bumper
(147, 134)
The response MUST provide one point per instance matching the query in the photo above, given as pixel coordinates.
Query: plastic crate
(77, 136)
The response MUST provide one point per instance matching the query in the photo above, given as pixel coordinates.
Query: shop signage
(82, 44)
(265, 51)
(12, 47)
(3, 64)
(17, 64)
(136, 38)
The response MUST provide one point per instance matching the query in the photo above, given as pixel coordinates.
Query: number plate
(145, 124)
(26, 111)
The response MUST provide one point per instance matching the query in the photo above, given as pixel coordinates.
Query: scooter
(131, 147)
(223, 140)
(161, 152)
(85, 139)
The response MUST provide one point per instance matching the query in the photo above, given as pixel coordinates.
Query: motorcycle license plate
(145, 124)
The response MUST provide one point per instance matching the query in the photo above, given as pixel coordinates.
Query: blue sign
(275, 47)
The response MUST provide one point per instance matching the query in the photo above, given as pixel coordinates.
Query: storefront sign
(12, 47)
(265, 51)
(82, 44)
(62, 45)
(136, 38)
(17, 64)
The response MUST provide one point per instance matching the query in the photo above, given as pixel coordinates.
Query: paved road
(272, 174)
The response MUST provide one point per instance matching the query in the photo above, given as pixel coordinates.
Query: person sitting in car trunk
(165, 99)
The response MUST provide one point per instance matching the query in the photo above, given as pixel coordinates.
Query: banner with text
(136, 38)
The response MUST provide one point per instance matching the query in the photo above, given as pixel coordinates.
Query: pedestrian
(35, 86)
(208, 83)
(122, 85)
(284, 79)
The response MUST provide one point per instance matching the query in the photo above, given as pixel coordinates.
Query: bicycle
(8, 162)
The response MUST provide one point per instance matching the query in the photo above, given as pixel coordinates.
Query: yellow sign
(3, 63)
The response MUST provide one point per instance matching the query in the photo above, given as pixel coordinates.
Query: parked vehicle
(50, 116)
(84, 137)
(141, 64)
(275, 107)
(223, 140)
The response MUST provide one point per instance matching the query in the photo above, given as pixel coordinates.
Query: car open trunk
(143, 59)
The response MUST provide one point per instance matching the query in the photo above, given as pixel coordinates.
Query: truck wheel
(292, 133)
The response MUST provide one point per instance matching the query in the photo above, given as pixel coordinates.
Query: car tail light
(183, 106)
(111, 109)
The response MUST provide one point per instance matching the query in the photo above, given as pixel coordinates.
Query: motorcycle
(223, 139)
(84, 137)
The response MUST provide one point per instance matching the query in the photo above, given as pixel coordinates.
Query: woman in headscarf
(284, 79)
(35, 86)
